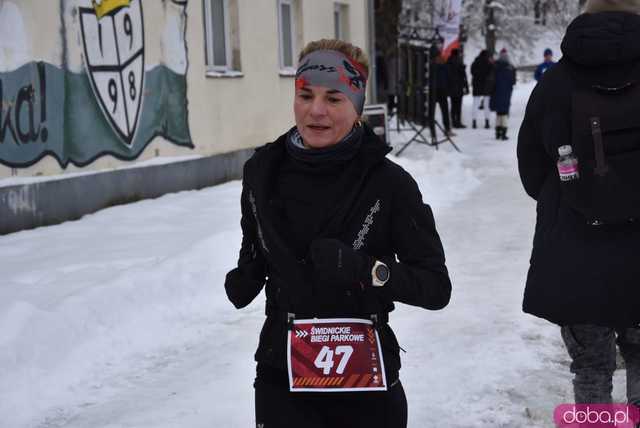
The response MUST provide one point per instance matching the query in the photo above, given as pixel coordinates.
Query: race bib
(335, 355)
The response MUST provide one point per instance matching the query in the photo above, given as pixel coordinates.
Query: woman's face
(324, 116)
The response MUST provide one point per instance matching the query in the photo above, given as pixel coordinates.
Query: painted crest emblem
(113, 41)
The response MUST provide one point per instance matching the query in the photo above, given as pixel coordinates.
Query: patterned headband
(334, 70)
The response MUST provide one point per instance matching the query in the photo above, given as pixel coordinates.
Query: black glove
(338, 265)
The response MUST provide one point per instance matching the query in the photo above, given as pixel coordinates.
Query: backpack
(606, 141)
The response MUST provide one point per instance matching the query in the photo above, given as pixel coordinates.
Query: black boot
(504, 134)
(474, 124)
(486, 124)
(498, 132)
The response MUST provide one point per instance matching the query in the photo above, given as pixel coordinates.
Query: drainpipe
(373, 83)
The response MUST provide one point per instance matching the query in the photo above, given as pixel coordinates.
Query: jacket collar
(265, 170)
(269, 158)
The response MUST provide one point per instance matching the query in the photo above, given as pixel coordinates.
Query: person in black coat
(332, 229)
(584, 274)
(481, 69)
(458, 86)
(504, 79)
(442, 77)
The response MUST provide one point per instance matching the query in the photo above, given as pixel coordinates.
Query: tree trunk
(490, 28)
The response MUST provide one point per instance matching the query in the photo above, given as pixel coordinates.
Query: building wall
(225, 114)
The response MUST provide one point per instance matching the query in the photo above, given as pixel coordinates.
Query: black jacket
(381, 206)
(458, 83)
(579, 273)
(441, 79)
(481, 69)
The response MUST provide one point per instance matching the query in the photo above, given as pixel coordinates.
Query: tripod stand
(416, 88)
(421, 139)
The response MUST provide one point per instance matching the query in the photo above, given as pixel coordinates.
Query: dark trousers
(456, 110)
(276, 407)
(593, 351)
(443, 102)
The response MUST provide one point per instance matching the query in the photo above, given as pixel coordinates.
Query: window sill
(287, 72)
(224, 74)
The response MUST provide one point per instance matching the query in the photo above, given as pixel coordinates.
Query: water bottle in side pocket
(567, 164)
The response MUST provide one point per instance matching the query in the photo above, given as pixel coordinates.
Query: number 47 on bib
(335, 355)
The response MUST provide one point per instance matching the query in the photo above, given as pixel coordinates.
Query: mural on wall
(115, 104)
(113, 42)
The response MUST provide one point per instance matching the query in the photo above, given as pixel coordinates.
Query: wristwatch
(380, 274)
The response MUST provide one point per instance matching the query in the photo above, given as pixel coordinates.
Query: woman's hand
(338, 265)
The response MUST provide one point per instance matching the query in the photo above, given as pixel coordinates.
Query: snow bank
(70, 318)
(441, 175)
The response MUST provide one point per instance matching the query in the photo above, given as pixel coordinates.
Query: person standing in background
(458, 86)
(505, 79)
(481, 69)
(441, 89)
(546, 65)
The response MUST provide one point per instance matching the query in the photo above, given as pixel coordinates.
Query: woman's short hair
(357, 54)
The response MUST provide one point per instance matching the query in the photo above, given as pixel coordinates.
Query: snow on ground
(120, 319)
